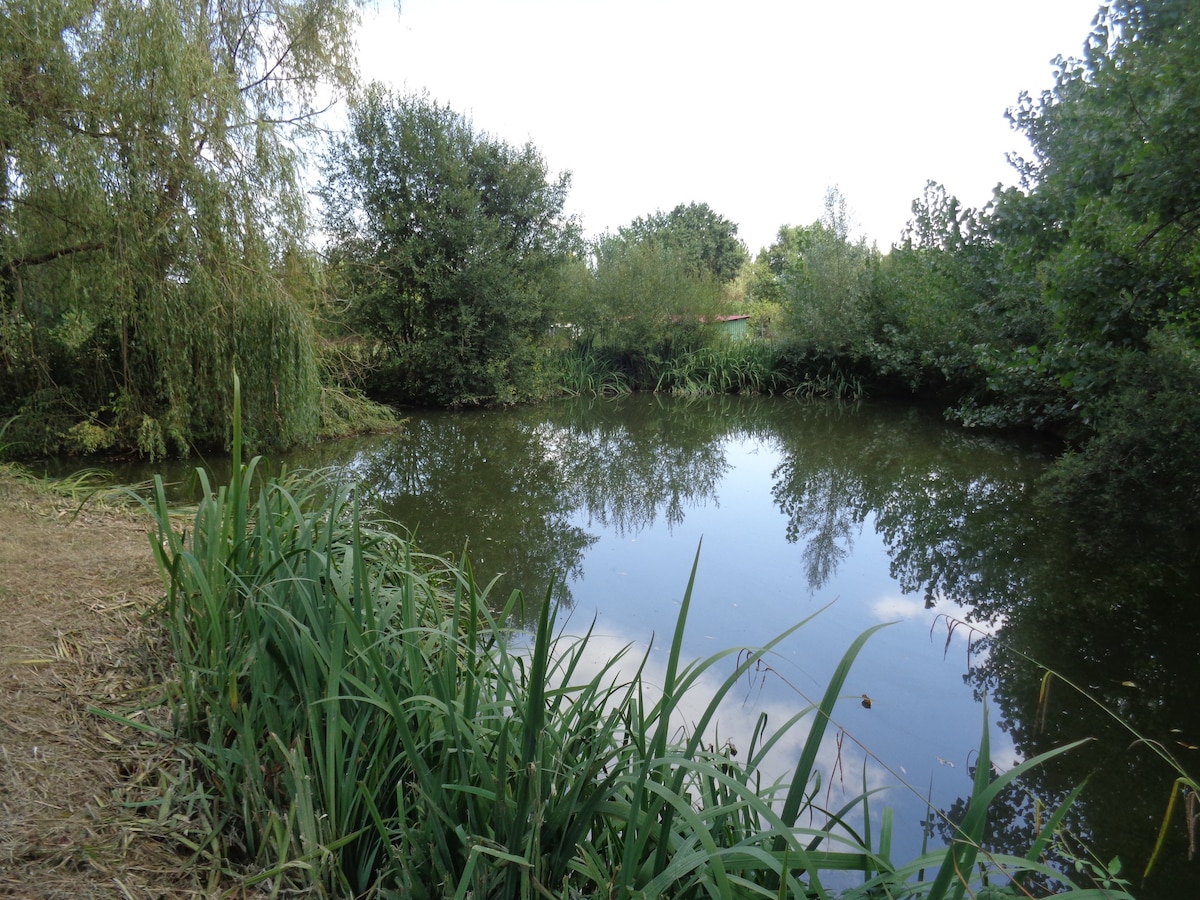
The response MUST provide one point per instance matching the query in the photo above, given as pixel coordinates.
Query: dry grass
(73, 592)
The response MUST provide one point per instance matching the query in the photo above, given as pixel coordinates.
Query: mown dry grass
(74, 588)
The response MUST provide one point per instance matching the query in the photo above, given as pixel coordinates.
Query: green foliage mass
(813, 293)
(652, 294)
(944, 297)
(705, 240)
(1105, 223)
(1068, 303)
(444, 239)
(646, 301)
(148, 195)
(822, 279)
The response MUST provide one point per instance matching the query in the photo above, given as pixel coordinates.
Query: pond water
(852, 516)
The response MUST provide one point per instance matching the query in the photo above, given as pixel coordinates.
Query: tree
(822, 279)
(1111, 206)
(445, 239)
(148, 192)
(1107, 221)
(648, 299)
(708, 242)
(766, 280)
(944, 292)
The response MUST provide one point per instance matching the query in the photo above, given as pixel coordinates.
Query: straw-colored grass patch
(73, 587)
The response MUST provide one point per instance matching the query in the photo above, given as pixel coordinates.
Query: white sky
(754, 107)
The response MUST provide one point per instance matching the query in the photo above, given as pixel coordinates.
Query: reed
(825, 381)
(742, 367)
(360, 720)
(590, 373)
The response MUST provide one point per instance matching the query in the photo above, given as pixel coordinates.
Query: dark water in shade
(858, 515)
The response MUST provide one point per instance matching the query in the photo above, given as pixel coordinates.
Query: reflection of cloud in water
(943, 617)
(892, 609)
(840, 763)
(953, 628)
(1004, 752)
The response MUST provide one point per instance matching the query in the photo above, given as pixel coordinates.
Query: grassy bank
(359, 719)
(724, 367)
(76, 584)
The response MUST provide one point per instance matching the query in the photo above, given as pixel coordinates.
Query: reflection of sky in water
(618, 497)
(923, 724)
(884, 506)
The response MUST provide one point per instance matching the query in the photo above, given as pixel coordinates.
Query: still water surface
(852, 516)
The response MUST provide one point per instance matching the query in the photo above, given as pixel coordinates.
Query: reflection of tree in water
(956, 511)
(1015, 817)
(625, 463)
(942, 499)
(958, 530)
(1106, 622)
(520, 477)
(819, 485)
(1129, 640)
(485, 473)
(1120, 623)
(817, 504)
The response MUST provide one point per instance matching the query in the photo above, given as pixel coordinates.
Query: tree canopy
(1106, 224)
(821, 278)
(646, 298)
(444, 238)
(148, 195)
(705, 240)
(1111, 199)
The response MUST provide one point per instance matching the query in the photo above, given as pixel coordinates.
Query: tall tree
(944, 293)
(1111, 206)
(446, 238)
(148, 191)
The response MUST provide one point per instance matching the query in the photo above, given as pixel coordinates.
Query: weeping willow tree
(149, 201)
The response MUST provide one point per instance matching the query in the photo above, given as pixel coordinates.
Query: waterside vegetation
(360, 719)
(357, 715)
(160, 240)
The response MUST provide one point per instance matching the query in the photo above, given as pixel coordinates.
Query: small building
(735, 328)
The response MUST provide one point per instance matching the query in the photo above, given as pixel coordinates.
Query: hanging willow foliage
(149, 195)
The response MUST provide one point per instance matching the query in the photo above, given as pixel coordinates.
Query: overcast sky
(753, 107)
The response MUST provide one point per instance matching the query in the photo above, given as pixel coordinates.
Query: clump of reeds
(589, 373)
(732, 367)
(361, 720)
(825, 381)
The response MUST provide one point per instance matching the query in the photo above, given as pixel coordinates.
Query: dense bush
(444, 242)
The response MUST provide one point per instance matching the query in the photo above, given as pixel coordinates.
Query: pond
(853, 516)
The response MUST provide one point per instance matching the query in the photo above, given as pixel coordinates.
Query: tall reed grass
(361, 721)
(730, 367)
(742, 367)
(823, 379)
(588, 372)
